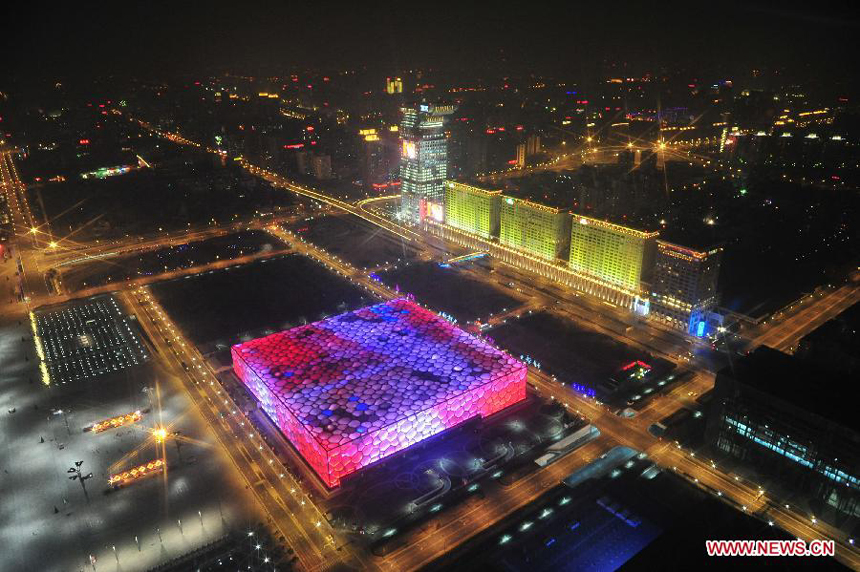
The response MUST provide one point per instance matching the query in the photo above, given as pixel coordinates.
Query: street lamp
(160, 434)
(76, 470)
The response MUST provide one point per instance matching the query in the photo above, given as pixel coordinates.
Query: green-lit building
(612, 253)
(472, 209)
(533, 228)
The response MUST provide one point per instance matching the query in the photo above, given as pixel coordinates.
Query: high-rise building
(532, 145)
(521, 155)
(423, 158)
(684, 286)
(321, 166)
(303, 160)
(472, 209)
(790, 421)
(612, 253)
(393, 85)
(536, 229)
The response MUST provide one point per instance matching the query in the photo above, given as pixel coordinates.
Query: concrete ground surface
(48, 523)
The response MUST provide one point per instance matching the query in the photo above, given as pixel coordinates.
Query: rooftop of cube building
(359, 372)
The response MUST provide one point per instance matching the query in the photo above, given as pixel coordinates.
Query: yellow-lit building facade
(614, 254)
(472, 209)
(534, 228)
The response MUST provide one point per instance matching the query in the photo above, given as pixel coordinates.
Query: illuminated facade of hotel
(612, 253)
(472, 209)
(423, 158)
(684, 286)
(533, 228)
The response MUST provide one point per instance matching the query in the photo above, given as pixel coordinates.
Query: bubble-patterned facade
(353, 389)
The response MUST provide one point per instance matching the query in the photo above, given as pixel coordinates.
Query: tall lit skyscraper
(393, 85)
(423, 158)
(684, 287)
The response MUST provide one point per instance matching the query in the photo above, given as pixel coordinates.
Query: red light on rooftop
(634, 364)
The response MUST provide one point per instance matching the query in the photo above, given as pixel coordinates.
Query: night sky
(152, 38)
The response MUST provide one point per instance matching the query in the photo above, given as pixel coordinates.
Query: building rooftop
(582, 219)
(358, 372)
(698, 253)
(701, 239)
(473, 188)
(805, 385)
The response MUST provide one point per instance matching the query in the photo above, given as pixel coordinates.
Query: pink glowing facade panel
(353, 389)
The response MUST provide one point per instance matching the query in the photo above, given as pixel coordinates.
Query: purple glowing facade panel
(356, 388)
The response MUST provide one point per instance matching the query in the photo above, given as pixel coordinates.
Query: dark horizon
(807, 42)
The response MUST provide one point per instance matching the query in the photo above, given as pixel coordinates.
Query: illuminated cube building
(472, 209)
(356, 388)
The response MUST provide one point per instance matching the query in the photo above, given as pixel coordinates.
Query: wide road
(784, 334)
(26, 244)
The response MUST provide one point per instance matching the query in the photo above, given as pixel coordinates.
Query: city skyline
(420, 288)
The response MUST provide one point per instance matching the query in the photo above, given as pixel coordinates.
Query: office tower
(790, 420)
(521, 155)
(533, 228)
(322, 167)
(472, 209)
(532, 145)
(684, 286)
(612, 253)
(393, 85)
(423, 158)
